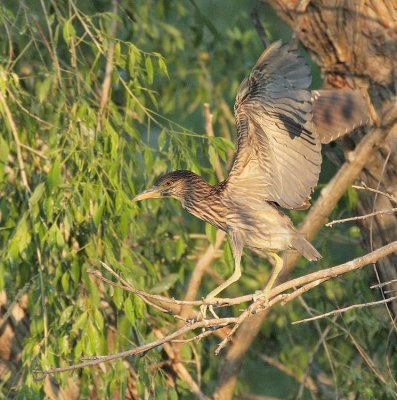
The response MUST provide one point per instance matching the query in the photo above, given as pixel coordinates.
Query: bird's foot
(257, 295)
(205, 307)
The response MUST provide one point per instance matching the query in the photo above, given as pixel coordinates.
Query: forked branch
(278, 294)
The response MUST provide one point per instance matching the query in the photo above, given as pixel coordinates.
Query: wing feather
(337, 112)
(278, 156)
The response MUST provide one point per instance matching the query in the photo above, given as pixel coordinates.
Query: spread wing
(337, 112)
(278, 156)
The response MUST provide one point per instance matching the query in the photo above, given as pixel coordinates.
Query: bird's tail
(305, 248)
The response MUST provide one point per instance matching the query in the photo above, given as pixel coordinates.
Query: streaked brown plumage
(280, 128)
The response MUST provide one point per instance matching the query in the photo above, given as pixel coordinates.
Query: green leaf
(131, 62)
(129, 310)
(68, 31)
(162, 139)
(65, 316)
(4, 150)
(117, 53)
(20, 240)
(98, 212)
(118, 297)
(163, 67)
(149, 69)
(43, 88)
(65, 282)
(80, 322)
(36, 195)
(210, 232)
(140, 307)
(212, 155)
(98, 319)
(93, 338)
(164, 284)
(179, 248)
(54, 178)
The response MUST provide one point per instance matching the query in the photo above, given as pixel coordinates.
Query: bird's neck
(204, 201)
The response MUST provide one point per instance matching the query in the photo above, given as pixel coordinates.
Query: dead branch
(360, 217)
(277, 294)
(380, 285)
(95, 360)
(342, 310)
(211, 325)
(369, 189)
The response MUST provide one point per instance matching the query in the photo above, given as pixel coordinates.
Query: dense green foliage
(84, 162)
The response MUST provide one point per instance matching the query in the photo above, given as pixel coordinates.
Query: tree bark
(355, 45)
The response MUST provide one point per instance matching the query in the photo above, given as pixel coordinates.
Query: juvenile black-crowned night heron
(280, 128)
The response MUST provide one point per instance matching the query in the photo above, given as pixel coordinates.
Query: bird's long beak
(152, 193)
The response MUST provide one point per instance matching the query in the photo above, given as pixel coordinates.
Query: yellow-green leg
(237, 250)
(276, 271)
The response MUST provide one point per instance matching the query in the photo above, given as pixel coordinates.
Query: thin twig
(259, 28)
(107, 82)
(360, 217)
(342, 310)
(95, 360)
(371, 226)
(14, 131)
(180, 369)
(366, 358)
(210, 133)
(379, 285)
(369, 189)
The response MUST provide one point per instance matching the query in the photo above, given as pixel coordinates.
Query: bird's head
(172, 184)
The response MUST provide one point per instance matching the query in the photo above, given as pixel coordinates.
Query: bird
(281, 125)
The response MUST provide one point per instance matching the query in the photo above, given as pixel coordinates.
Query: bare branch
(14, 131)
(342, 310)
(373, 214)
(365, 187)
(210, 133)
(211, 325)
(277, 294)
(106, 84)
(379, 285)
(95, 360)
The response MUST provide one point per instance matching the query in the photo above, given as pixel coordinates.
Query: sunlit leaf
(149, 69)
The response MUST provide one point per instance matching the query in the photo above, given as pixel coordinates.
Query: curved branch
(277, 295)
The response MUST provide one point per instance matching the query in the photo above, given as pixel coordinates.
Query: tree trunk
(355, 45)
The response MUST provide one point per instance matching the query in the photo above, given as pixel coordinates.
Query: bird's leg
(237, 250)
(276, 270)
(212, 295)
